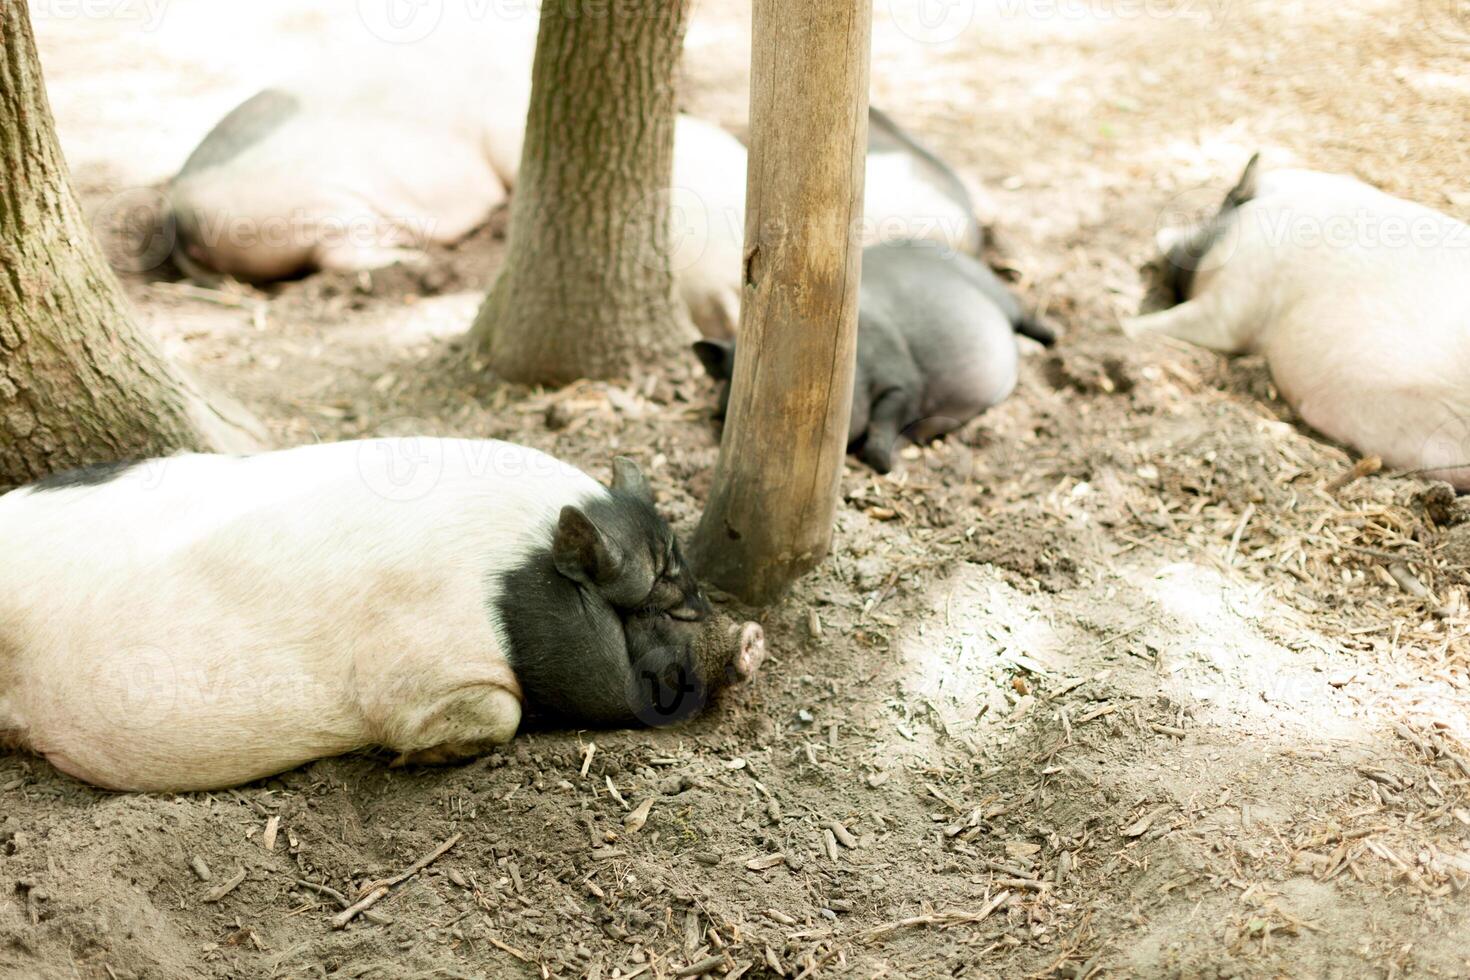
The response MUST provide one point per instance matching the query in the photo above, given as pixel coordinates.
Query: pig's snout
(750, 649)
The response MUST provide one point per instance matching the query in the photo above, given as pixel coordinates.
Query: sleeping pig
(1357, 300)
(936, 347)
(361, 158)
(201, 621)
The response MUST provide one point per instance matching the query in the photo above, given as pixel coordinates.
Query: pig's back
(1361, 289)
(405, 491)
(960, 337)
(1336, 244)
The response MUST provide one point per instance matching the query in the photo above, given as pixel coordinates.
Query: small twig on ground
(1421, 559)
(1141, 826)
(326, 890)
(613, 792)
(1024, 884)
(1098, 712)
(1366, 466)
(217, 296)
(843, 835)
(1234, 547)
(225, 887)
(376, 891)
(941, 919)
(1409, 583)
(340, 920)
(508, 949)
(706, 965)
(817, 963)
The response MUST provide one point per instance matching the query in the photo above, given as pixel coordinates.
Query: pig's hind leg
(890, 413)
(1202, 321)
(350, 257)
(462, 725)
(11, 728)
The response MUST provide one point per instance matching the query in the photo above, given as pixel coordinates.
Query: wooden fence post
(775, 494)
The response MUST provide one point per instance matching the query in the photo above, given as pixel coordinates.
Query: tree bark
(770, 514)
(586, 290)
(79, 383)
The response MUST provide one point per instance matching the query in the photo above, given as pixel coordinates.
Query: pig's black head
(718, 358)
(579, 662)
(621, 548)
(608, 626)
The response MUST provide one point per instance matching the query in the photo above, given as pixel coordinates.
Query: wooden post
(770, 514)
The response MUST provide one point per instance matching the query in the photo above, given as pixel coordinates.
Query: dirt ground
(1117, 682)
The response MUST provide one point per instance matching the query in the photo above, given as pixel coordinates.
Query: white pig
(707, 224)
(1357, 299)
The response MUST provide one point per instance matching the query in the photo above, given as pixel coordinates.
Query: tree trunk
(79, 383)
(770, 514)
(586, 290)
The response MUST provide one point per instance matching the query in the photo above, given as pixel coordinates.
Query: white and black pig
(936, 347)
(1357, 299)
(201, 621)
(361, 158)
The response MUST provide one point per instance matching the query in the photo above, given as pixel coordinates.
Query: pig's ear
(628, 478)
(1246, 188)
(717, 356)
(581, 551)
